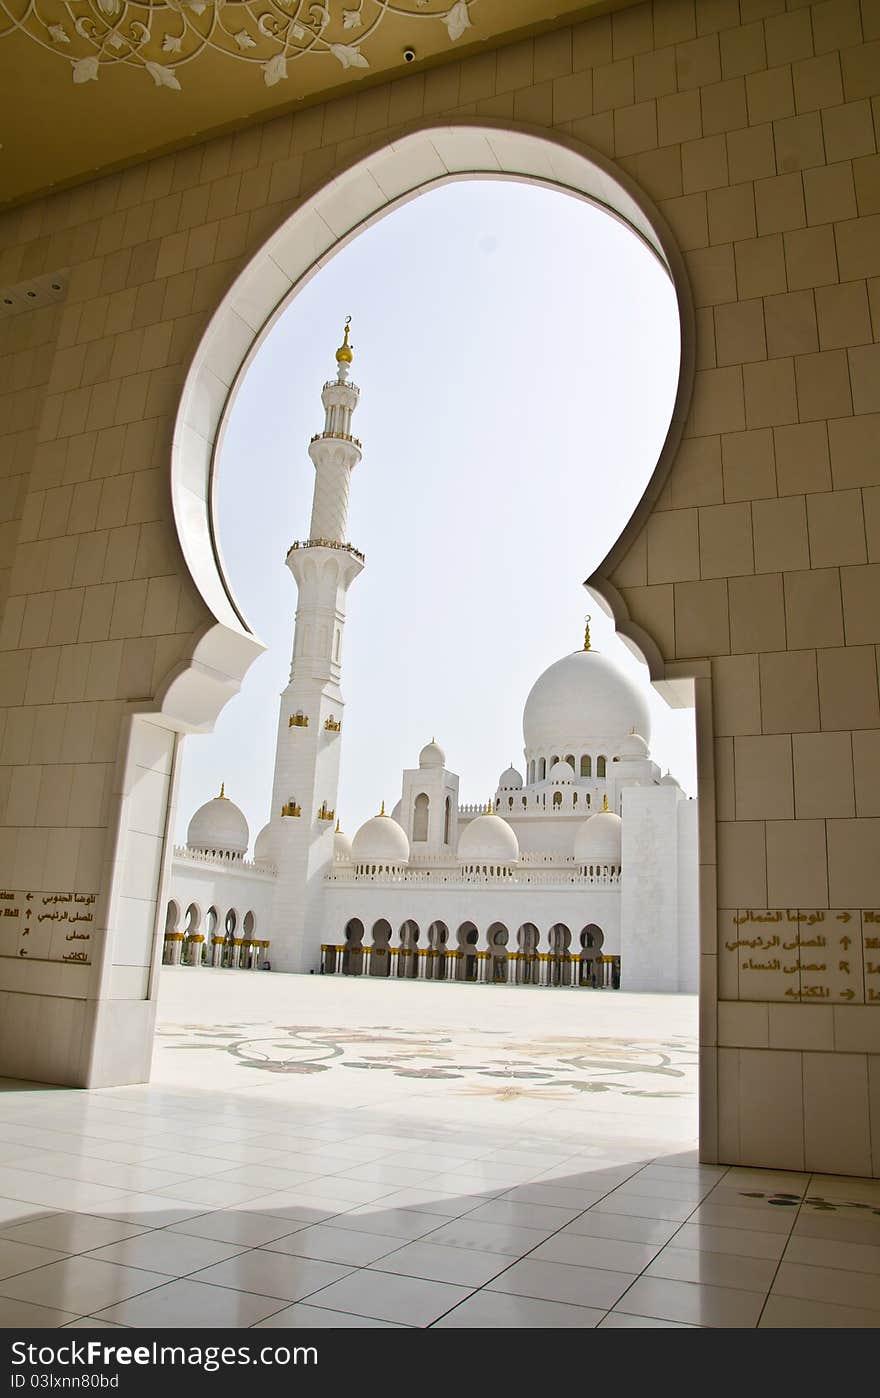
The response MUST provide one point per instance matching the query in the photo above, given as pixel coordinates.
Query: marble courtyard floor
(318, 1151)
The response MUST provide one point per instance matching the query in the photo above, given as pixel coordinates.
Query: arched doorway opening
(559, 938)
(408, 954)
(467, 952)
(497, 938)
(438, 937)
(380, 956)
(352, 952)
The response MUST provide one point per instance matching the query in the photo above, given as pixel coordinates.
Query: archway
(438, 937)
(497, 938)
(467, 952)
(559, 938)
(352, 952)
(592, 940)
(408, 955)
(224, 652)
(380, 957)
(527, 939)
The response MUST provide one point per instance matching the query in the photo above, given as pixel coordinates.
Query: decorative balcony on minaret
(308, 746)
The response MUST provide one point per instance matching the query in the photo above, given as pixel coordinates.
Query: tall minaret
(310, 720)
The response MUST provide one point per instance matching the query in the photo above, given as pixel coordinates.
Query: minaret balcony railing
(336, 437)
(326, 544)
(290, 808)
(325, 812)
(298, 721)
(332, 724)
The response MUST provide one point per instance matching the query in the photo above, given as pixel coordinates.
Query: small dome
(219, 825)
(342, 848)
(599, 839)
(633, 745)
(432, 755)
(380, 840)
(511, 780)
(488, 838)
(264, 848)
(669, 780)
(561, 772)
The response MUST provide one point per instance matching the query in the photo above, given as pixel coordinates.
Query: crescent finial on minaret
(345, 354)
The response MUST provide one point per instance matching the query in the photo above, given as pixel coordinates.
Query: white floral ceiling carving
(160, 37)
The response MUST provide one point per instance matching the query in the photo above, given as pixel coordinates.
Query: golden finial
(222, 796)
(344, 354)
(605, 803)
(382, 812)
(338, 830)
(489, 806)
(587, 632)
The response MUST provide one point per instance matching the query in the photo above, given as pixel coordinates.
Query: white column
(340, 952)
(543, 969)
(366, 958)
(393, 954)
(422, 968)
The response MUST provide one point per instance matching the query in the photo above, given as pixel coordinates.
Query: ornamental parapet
(224, 861)
(326, 544)
(335, 437)
(452, 879)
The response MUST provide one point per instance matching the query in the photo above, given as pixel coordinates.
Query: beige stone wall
(752, 126)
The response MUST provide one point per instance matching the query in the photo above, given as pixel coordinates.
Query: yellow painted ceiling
(91, 85)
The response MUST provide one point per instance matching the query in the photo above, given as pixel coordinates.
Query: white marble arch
(424, 155)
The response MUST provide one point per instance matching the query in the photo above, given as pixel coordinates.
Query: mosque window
(524, 803)
(600, 766)
(557, 799)
(570, 760)
(420, 817)
(542, 769)
(554, 760)
(586, 766)
(446, 821)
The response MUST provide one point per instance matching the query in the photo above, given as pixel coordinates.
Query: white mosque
(581, 871)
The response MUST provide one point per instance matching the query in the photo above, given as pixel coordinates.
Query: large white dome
(488, 839)
(380, 840)
(598, 839)
(581, 697)
(219, 825)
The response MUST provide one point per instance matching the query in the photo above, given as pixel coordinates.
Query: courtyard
(334, 1152)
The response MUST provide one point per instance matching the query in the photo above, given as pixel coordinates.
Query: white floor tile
(79, 1284)
(741, 1242)
(24, 1315)
(272, 1274)
(21, 1257)
(645, 1206)
(715, 1306)
(619, 1320)
(233, 1226)
(71, 1232)
(174, 1254)
(336, 1245)
(623, 1226)
(382, 1296)
(612, 1254)
(189, 1304)
(544, 1216)
(791, 1313)
(395, 1223)
(761, 1221)
(468, 1232)
(843, 1288)
(302, 1316)
(492, 1310)
(714, 1268)
(436, 1262)
(558, 1281)
(827, 1252)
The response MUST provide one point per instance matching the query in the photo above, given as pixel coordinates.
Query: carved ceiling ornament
(160, 36)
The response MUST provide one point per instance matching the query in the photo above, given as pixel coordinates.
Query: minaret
(310, 720)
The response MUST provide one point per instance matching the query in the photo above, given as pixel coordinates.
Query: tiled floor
(411, 1169)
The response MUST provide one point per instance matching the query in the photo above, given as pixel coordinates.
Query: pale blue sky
(517, 352)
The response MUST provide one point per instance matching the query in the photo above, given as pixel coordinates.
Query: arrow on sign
(847, 995)
(844, 917)
(22, 951)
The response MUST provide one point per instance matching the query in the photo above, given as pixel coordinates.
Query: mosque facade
(581, 870)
